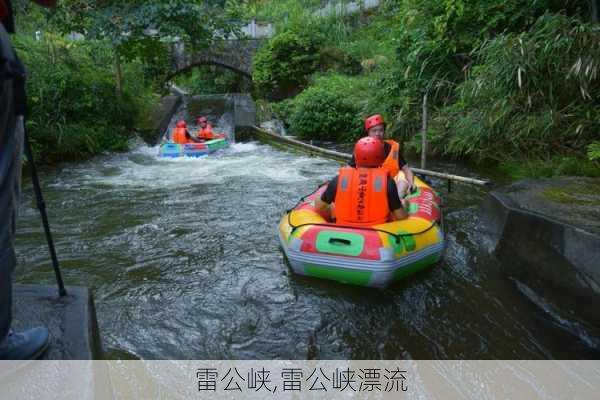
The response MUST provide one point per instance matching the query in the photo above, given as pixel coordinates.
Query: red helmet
(368, 152)
(373, 120)
(181, 124)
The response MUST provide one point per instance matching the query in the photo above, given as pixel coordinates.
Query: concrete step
(74, 333)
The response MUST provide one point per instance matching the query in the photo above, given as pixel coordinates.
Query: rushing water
(184, 261)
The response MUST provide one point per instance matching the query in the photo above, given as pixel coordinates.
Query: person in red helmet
(364, 195)
(181, 135)
(205, 132)
(394, 162)
(30, 343)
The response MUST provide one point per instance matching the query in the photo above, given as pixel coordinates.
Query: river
(184, 262)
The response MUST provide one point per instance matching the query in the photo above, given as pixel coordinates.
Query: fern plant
(593, 151)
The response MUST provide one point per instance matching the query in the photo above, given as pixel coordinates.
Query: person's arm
(352, 162)
(408, 174)
(397, 206)
(400, 213)
(328, 196)
(320, 205)
(189, 136)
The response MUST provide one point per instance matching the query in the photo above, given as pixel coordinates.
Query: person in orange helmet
(364, 195)
(394, 162)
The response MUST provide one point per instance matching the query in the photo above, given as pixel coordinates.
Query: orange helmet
(373, 120)
(368, 152)
(181, 124)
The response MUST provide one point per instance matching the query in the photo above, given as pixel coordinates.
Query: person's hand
(405, 204)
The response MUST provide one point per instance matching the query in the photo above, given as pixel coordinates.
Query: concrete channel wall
(548, 250)
(241, 105)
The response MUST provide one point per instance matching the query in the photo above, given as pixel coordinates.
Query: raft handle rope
(397, 236)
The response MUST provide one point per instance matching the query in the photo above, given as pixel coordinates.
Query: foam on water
(142, 168)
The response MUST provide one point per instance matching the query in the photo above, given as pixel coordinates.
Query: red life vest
(361, 196)
(391, 161)
(179, 136)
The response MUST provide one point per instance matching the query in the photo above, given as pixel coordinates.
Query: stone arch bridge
(235, 55)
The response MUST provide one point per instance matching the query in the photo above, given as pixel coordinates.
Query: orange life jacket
(179, 136)
(361, 196)
(206, 133)
(391, 161)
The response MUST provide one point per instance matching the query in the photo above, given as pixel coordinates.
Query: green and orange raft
(374, 256)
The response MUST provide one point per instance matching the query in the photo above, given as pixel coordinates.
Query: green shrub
(593, 151)
(283, 110)
(334, 59)
(323, 115)
(332, 108)
(282, 66)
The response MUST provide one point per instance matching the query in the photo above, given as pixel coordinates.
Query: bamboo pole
(347, 157)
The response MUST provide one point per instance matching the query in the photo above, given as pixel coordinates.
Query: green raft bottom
(362, 278)
(216, 144)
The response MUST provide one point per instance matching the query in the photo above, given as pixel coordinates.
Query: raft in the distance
(375, 256)
(174, 150)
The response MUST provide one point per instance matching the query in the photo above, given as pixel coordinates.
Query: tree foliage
(140, 28)
(283, 65)
(74, 110)
(532, 93)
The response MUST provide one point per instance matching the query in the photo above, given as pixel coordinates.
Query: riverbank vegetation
(509, 83)
(75, 110)
(96, 69)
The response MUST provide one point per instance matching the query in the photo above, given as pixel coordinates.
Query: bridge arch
(235, 55)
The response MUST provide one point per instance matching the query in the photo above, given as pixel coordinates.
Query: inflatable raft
(174, 150)
(375, 256)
